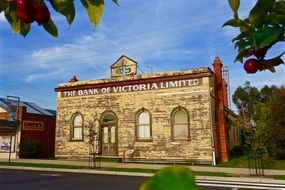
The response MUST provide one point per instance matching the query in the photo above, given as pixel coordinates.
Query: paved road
(41, 180)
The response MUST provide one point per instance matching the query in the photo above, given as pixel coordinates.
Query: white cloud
(44, 76)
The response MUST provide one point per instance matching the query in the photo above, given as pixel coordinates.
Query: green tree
(262, 29)
(266, 92)
(22, 13)
(246, 98)
(270, 123)
(262, 118)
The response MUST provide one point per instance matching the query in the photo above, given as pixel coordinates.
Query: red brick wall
(46, 137)
(221, 128)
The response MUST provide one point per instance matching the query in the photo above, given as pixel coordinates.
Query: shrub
(29, 149)
(236, 151)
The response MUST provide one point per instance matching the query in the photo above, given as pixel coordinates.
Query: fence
(256, 165)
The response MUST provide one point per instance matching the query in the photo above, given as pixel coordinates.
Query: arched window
(77, 127)
(143, 127)
(180, 123)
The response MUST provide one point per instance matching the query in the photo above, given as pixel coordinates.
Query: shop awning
(8, 126)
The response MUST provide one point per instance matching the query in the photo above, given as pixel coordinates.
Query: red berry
(26, 16)
(251, 66)
(24, 5)
(42, 14)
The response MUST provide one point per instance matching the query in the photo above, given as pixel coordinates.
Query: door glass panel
(105, 135)
(113, 134)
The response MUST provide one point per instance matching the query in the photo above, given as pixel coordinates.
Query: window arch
(143, 125)
(76, 126)
(180, 123)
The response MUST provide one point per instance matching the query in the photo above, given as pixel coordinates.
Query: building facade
(32, 124)
(163, 117)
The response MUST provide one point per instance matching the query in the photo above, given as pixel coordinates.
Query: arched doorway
(109, 134)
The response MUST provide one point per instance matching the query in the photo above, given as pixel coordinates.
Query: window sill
(186, 139)
(76, 140)
(144, 140)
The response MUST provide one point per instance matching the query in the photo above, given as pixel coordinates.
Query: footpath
(241, 173)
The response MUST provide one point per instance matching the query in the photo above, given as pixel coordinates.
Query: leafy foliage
(29, 149)
(171, 178)
(246, 98)
(270, 123)
(264, 27)
(94, 10)
(262, 117)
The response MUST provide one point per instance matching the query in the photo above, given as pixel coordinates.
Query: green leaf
(232, 22)
(116, 1)
(271, 63)
(94, 10)
(242, 53)
(3, 6)
(66, 8)
(234, 4)
(17, 26)
(235, 23)
(50, 27)
(243, 44)
(171, 178)
(266, 36)
(242, 35)
(257, 15)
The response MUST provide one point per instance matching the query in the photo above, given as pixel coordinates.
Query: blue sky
(165, 35)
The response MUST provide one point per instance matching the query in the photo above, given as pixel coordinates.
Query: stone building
(162, 117)
(32, 123)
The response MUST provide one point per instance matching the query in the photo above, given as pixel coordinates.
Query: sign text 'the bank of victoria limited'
(132, 88)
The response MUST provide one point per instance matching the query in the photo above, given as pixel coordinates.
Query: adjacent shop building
(32, 124)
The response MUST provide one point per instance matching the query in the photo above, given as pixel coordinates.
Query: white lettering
(173, 84)
(104, 90)
(142, 87)
(135, 87)
(154, 86)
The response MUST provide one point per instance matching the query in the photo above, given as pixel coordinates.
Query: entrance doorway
(109, 133)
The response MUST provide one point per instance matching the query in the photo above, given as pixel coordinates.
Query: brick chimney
(221, 128)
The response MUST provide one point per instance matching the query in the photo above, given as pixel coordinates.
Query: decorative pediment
(124, 66)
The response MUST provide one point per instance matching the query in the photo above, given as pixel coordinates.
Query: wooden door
(109, 140)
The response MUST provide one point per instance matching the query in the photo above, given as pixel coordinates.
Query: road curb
(139, 174)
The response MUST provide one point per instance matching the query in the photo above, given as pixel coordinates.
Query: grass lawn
(139, 170)
(242, 162)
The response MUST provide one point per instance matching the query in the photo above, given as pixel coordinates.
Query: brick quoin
(221, 102)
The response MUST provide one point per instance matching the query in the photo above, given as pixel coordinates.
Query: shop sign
(5, 143)
(33, 126)
(133, 88)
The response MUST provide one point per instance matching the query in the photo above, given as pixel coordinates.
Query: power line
(142, 46)
(174, 26)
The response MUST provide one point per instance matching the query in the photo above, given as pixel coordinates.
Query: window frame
(174, 111)
(137, 125)
(73, 127)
